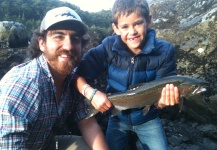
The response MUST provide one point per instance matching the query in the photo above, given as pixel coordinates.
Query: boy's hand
(169, 96)
(100, 102)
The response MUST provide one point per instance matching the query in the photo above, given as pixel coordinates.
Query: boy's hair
(126, 7)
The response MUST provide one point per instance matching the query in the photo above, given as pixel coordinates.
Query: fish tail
(91, 111)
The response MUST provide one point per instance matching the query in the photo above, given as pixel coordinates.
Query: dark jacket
(124, 68)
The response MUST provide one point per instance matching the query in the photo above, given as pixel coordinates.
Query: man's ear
(116, 30)
(149, 21)
(41, 44)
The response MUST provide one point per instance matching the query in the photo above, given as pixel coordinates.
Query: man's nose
(68, 45)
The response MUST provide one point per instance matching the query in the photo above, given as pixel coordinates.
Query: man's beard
(64, 68)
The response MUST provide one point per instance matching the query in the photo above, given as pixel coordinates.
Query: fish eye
(195, 86)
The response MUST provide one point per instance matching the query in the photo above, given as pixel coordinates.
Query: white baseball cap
(60, 14)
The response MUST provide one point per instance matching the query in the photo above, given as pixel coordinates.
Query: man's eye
(76, 40)
(58, 37)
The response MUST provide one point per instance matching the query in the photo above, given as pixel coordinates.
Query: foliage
(101, 31)
(4, 38)
(31, 12)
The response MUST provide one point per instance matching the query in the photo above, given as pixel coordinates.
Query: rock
(191, 27)
(10, 57)
(209, 130)
(208, 144)
(174, 140)
(13, 35)
(186, 136)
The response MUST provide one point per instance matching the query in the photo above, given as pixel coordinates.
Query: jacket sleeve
(93, 63)
(168, 65)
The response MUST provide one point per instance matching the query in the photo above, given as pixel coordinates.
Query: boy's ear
(149, 22)
(41, 44)
(116, 30)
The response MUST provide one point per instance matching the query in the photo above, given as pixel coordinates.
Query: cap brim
(66, 23)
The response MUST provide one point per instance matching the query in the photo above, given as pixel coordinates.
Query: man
(38, 96)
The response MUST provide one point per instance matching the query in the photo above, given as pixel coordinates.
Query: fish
(147, 94)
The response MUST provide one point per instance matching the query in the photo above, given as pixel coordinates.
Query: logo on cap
(66, 14)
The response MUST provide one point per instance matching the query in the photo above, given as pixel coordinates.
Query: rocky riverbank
(184, 133)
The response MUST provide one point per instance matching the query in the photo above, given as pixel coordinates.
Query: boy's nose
(132, 30)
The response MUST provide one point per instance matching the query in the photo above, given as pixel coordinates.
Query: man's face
(62, 49)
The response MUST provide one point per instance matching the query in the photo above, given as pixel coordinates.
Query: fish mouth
(199, 90)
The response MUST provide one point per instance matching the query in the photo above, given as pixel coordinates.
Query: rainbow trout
(147, 94)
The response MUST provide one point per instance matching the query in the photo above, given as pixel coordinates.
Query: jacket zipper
(130, 71)
(130, 82)
(132, 60)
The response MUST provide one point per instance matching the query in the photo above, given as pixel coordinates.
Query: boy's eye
(139, 23)
(124, 27)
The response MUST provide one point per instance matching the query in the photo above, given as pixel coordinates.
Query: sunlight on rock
(200, 50)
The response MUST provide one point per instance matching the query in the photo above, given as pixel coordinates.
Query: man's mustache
(66, 52)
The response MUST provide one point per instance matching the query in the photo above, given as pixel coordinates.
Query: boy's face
(132, 29)
(62, 50)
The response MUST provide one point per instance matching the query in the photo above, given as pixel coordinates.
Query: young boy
(134, 55)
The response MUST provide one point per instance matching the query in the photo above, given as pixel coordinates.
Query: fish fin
(146, 109)
(181, 104)
(114, 111)
(135, 86)
(108, 94)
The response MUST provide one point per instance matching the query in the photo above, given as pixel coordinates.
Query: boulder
(13, 35)
(191, 26)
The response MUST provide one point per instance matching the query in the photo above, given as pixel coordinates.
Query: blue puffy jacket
(124, 69)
